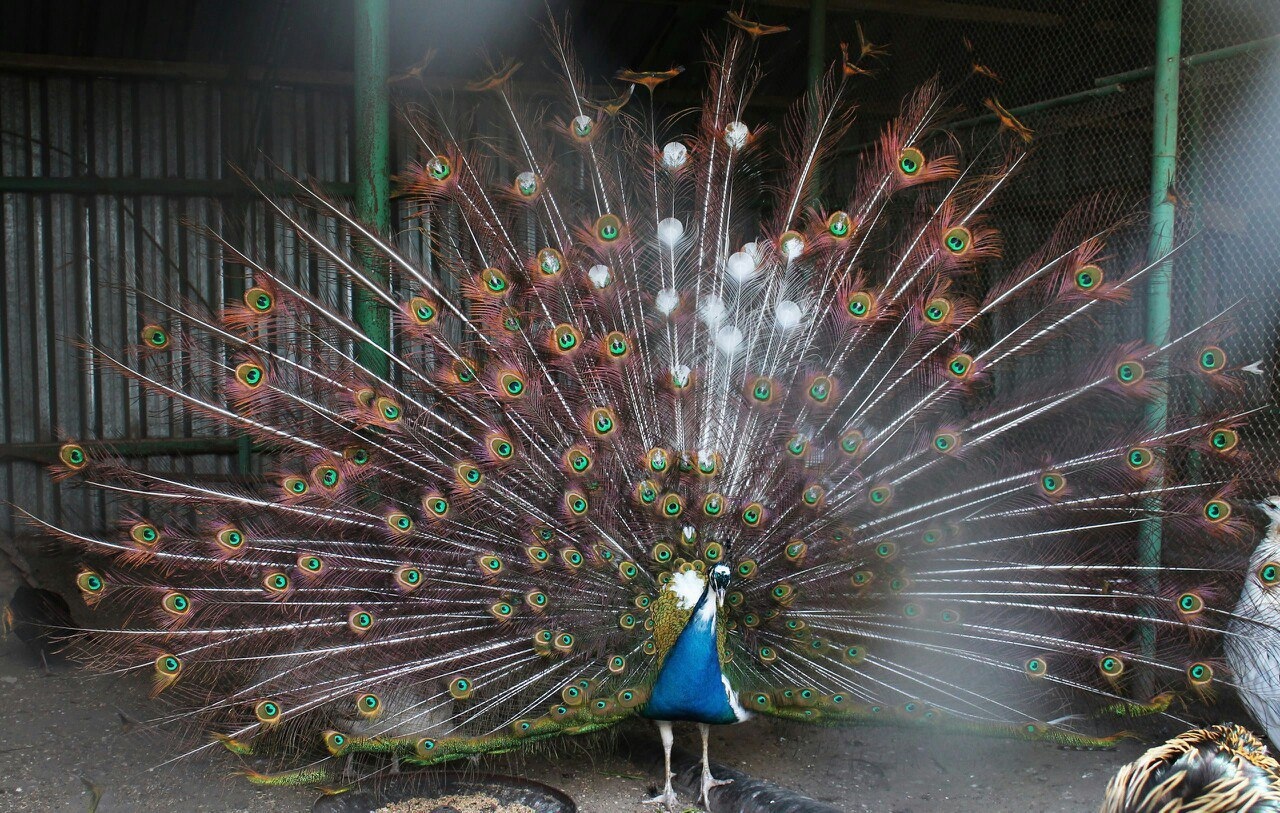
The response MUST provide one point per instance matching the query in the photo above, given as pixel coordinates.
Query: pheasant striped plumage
(695, 439)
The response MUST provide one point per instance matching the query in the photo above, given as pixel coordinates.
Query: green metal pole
(817, 41)
(373, 182)
(1164, 156)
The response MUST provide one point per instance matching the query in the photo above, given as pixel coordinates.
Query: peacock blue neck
(691, 685)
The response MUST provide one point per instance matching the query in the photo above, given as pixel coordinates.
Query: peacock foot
(668, 799)
(709, 782)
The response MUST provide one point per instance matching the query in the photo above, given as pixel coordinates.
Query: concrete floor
(61, 730)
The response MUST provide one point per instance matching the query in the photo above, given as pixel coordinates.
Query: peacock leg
(708, 781)
(668, 797)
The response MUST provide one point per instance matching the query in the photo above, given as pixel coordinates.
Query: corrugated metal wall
(71, 257)
(138, 156)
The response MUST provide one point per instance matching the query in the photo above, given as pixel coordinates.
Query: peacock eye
(360, 621)
(250, 374)
(1052, 482)
(468, 474)
(422, 309)
(495, 282)
(144, 534)
(658, 460)
(436, 505)
(602, 421)
(647, 492)
(168, 664)
(1200, 674)
(231, 538)
(674, 155)
(1190, 604)
(550, 262)
(464, 370)
(1269, 573)
(839, 225)
(267, 711)
(617, 344)
(959, 365)
(155, 336)
(1130, 372)
(259, 300)
(581, 126)
(936, 310)
(1139, 457)
(408, 577)
(73, 455)
(736, 134)
(791, 244)
(388, 409)
(439, 168)
(851, 442)
(859, 304)
(608, 228)
(957, 239)
(1223, 440)
(527, 184)
(820, 389)
(1088, 277)
(1217, 510)
(1212, 360)
(910, 161)
(176, 603)
(511, 383)
(90, 582)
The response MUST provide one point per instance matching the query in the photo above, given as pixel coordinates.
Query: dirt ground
(61, 731)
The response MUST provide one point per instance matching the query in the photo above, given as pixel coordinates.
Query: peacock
(670, 427)
(1221, 769)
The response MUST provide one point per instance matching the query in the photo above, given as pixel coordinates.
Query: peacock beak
(720, 598)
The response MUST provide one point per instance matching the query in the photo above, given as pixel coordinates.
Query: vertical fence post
(1164, 149)
(817, 40)
(373, 146)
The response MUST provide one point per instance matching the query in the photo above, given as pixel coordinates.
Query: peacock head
(720, 575)
(1271, 507)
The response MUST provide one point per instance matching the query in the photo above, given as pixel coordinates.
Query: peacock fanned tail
(644, 348)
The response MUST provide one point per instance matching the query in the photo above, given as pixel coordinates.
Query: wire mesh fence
(1080, 86)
